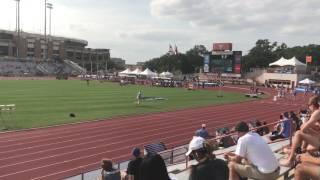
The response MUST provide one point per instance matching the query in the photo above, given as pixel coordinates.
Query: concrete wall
(261, 76)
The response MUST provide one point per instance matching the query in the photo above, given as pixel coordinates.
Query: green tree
(187, 63)
(266, 52)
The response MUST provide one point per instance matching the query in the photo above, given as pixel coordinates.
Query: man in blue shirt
(202, 132)
(285, 128)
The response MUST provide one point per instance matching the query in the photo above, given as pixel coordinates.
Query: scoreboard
(223, 62)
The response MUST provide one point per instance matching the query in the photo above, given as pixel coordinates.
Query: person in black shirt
(134, 165)
(208, 168)
(153, 168)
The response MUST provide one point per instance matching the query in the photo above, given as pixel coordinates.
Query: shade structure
(279, 62)
(166, 74)
(125, 72)
(287, 62)
(136, 71)
(295, 62)
(147, 72)
(306, 81)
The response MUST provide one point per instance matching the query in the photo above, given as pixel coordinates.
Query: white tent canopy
(306, 81)
(166, 74)
(279, 62)
(147, 72)
(127, 71)
(136, 71)
(287, 62)
(295, 62)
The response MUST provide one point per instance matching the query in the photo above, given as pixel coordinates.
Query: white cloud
(138, 30)
(229, 15)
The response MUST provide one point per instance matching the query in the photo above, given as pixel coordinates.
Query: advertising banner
(222, 46)
(237, 68)
(309, 59)
(206, 62)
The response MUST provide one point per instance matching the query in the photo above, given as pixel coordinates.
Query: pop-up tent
(166, 74)
(287, 62)
(306, 81)
(295, 62)
(147, 72)
(136, 71)
(125, 72)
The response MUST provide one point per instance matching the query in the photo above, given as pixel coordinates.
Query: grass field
(43, 103)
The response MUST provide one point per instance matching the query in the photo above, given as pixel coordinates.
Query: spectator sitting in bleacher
(277, 126)
(133, 169)
(308, 167)
(202, 132)
(259, 129)
(227, 140)
(153, 168)
(303, 115)
(265, 128)
(296, 120)
(108, 172)
(284, 128)
(208, 168)
(259, 160)
(309, 132)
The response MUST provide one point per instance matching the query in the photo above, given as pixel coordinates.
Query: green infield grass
(42, 103)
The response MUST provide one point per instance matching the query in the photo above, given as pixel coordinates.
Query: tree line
(265, 52)
(260, 56)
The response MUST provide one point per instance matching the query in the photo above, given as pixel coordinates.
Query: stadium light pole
(97, 63)
(50, 7)
(107, 57)
(45, 31)
(18, 26)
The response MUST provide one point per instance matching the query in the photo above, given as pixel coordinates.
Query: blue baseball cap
(136, 152)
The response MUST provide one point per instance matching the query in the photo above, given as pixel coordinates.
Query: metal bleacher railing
(171, 156)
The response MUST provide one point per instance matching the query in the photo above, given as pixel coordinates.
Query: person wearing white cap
(202, 132)
(209, 167)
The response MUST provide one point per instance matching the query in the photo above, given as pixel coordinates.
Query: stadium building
(29, 46)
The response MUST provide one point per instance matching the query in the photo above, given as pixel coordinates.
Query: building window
(31, 41)
(31, 49)
(56, 47)
(4, 51)
(30, 45)
(55, 43)
(69, 54)
(43, 46)
(56, 52)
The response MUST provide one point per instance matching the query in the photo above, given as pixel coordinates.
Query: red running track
(64, 151)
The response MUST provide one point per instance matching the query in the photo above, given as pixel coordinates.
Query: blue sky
(138, 30)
